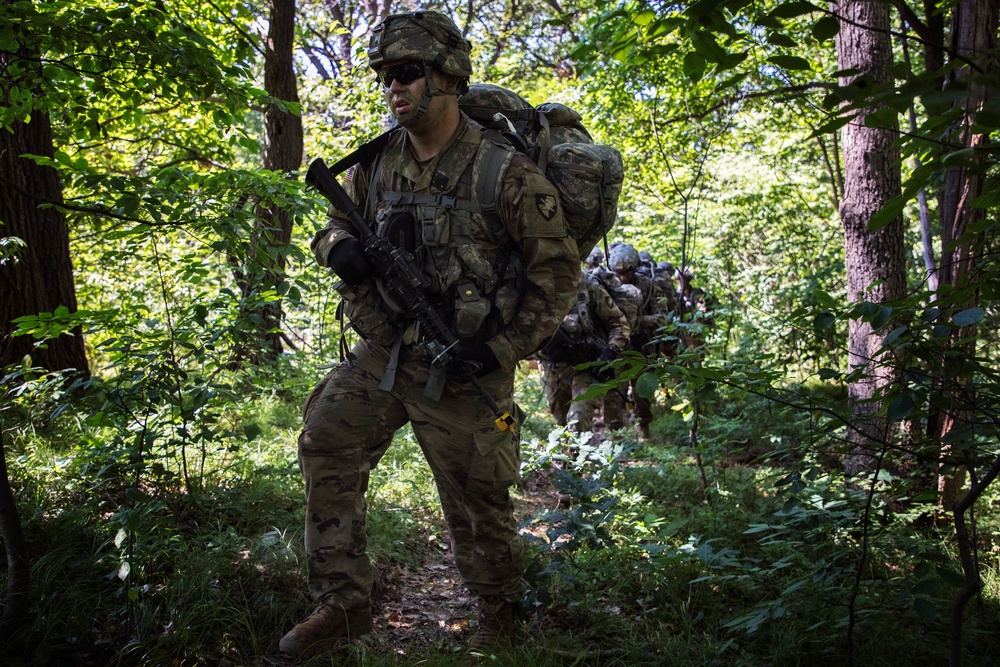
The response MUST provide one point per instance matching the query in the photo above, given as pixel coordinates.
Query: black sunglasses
(405, 74)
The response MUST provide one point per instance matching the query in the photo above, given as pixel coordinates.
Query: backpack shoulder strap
(492, 162)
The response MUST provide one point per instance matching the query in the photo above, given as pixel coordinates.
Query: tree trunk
(15, 610)
(40, 278)
(974, 39)
(875, 260)
(265, 269)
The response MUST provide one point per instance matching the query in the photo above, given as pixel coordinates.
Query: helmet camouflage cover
(422, 36)
(596, 256)
(623, 258)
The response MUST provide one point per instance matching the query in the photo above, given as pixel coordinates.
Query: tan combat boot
(324, 629)
(496, 627)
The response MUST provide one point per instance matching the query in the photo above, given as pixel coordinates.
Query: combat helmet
(595, 257)
(422, 36)
(623, 258)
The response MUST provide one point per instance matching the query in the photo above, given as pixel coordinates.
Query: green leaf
(828, 374)
(694, 66)
(644, 18)
(882, 318)
(958, 157)
(825, 28)
(889, 212)
(790, 62)
(705, 44)
(968, 317)
(893, 335)
(884, 118)
(900, 407)
(987, 199)
(825, 320)
(781, 40)
(789, 507)
(868, 310)
(950, 577)
(831, 125)
(790, 10)
(646, 385)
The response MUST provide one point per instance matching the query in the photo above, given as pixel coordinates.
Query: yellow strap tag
(505, 422)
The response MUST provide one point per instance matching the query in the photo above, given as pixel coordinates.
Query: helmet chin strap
(430, 91)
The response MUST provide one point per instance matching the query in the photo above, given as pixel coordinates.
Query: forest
(820, 482)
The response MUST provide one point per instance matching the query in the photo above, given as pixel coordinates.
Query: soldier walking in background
(595, 329)
(498, 315)
(624, 261)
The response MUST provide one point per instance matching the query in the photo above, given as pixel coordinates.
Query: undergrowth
(744, 550)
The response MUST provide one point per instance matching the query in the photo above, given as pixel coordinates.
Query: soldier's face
(404, 87)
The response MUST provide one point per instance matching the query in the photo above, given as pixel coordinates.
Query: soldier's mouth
(401, 106)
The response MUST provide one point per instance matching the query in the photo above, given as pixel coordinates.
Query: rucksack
(588, 176)
(627, 297)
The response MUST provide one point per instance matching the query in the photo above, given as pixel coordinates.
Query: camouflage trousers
(561, 382)
(615, 405)
(349, 425)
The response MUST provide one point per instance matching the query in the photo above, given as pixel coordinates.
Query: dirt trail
(418, 609)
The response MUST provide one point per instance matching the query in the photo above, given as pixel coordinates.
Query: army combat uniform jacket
(511, 301)
(461, 251)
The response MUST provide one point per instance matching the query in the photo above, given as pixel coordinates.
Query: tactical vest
(474, 272)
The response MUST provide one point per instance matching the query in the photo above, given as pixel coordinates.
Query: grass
(660, 570)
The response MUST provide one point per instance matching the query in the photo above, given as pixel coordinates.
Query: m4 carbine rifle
(404, 285)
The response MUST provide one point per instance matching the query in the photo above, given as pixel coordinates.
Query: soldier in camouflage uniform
(624, 261)
(504, 292)
(595, 329)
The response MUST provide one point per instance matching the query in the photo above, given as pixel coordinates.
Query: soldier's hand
(481, 358)
(347, 259)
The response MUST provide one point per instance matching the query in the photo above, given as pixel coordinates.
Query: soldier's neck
(431, 138)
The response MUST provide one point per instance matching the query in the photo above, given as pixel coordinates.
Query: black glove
(482, 356)
(347, 259)
(607, 354)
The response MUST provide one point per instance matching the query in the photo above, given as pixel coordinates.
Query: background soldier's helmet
(623, 258)
(422, 36)
(595, 257)
(646, 257)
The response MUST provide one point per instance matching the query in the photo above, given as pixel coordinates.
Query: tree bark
(15, 610)
(875, 260)
(40, 278)
(974, 39)
(282, 152)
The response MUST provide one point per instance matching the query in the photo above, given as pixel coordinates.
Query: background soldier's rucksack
(628, 298)
(588, 176)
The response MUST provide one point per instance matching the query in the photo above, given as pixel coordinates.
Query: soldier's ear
(453, 84)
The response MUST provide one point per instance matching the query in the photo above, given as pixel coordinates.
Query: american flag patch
(349, 174)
